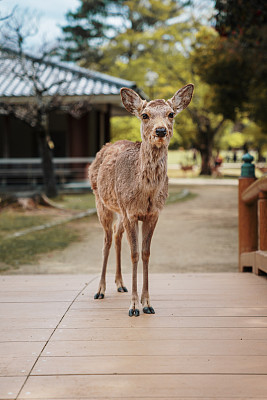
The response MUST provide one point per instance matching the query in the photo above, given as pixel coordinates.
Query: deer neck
(153, 166)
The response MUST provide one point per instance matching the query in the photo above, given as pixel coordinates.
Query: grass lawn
(76, 201)
(13, 221)
(25, 249)
(184, 157)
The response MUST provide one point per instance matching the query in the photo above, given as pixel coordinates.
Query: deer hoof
(122, 289)
(149, 310)
(133, 312)
(99, 296)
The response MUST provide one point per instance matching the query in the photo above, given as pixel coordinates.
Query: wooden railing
(252, 221)
(28, 171)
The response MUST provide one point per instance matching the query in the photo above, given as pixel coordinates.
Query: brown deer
(130, 179)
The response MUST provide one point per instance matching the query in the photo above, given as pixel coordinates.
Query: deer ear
(182, 98)
(132, 101)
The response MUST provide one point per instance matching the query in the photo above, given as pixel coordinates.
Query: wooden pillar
(101, 126)
(262, 221)
(247, 213)
(247, 221)
(77, 136)
(6, 135)
(107, 123)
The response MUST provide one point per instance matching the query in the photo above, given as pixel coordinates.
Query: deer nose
(161, 132)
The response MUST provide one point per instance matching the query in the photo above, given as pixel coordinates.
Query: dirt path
(198, 235)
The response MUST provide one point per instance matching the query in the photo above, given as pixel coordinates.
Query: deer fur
(130, 179)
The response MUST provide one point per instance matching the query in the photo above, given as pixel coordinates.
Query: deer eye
(171, 115)
(145, 116)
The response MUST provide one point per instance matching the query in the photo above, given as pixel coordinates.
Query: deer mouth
(160, 141)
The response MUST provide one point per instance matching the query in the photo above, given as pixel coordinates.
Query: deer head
(157, 116)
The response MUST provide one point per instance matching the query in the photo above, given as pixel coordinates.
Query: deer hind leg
(149, 225)
(106, 219)
(131, 228)
(118, 232)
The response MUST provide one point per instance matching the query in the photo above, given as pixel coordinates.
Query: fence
(28, 171)
(252, 220)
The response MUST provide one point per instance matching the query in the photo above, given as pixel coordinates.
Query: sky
(52, 14)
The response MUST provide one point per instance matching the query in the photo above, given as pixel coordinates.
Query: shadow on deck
(208, 338)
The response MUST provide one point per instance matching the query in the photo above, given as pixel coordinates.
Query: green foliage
(97, 23)
(24, 250)
(235, 62)
(221, 71)
(125, 128)
(242, 19)
(234, 140)
(255, 136)
(76, 201)
(153, 41)
(10, 221)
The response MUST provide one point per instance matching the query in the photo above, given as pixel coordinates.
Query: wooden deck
(208, 339)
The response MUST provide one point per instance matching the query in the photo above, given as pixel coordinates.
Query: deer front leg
(118, 232)
(131, 228)
(149, 225)
(106, 218)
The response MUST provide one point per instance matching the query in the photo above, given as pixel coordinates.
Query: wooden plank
(89, 365)
(165, 294)
(175, 312)
(25, 335)
(192, 280)
(10, 386)
(36, 296)
(165, 398)
(28, 323)
(44, 283)
(21, 349)
(33, 310)
(124, 302)
(16, 366)
(208, 338)
(151, 321)
(179, 295)
(177, 386)
(133, 334)
(156, 348)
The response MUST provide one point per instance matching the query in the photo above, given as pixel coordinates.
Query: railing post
(262, 221)
(247, 216)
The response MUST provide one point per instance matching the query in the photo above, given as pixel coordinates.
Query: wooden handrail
(252, 192)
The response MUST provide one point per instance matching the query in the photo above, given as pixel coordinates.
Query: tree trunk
(206, 159)
(47, 166)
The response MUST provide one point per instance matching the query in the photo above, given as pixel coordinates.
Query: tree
(97, 23)
(166, 54)
(29, 69)
(235, 63)
(154, 42)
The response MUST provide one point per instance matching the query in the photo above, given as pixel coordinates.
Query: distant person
(234, 157)
(218, 160)
(217, 163)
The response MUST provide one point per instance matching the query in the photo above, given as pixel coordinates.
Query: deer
(130, 179)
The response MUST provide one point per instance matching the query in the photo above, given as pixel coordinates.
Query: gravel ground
(198, 235)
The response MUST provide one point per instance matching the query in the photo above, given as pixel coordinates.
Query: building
(78, 126)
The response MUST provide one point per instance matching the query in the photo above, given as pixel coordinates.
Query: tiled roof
(57, 77)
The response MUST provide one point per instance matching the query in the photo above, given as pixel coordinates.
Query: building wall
(58, 128)
(17, 140)
(72, 137)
